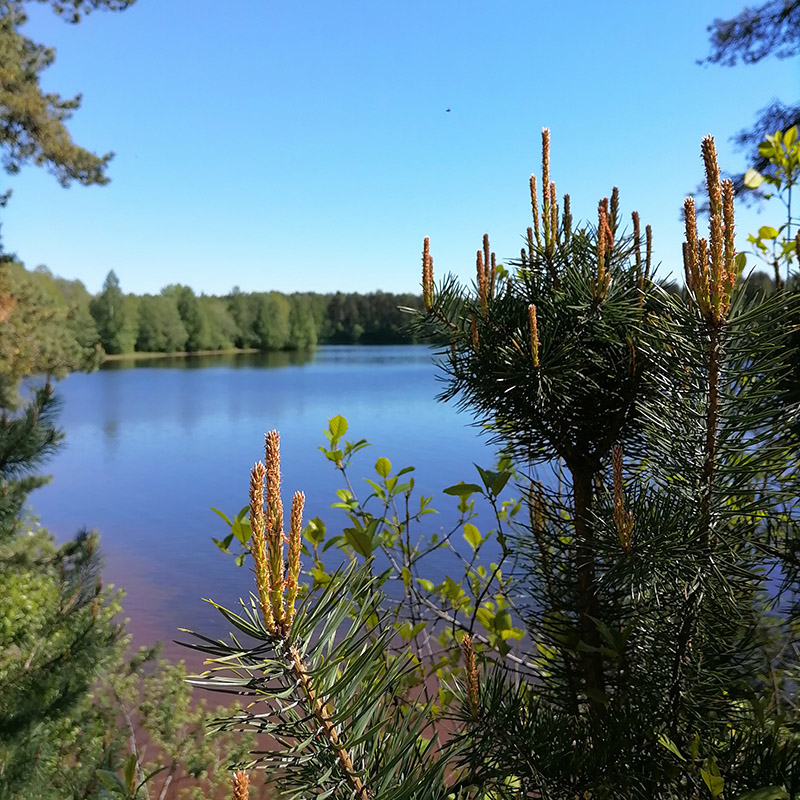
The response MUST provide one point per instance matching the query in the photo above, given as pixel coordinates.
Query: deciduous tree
(115, 317)
(771, 29)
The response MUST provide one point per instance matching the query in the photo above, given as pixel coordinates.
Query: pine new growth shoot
(268, 540)
(471, 676)
(658, 453)
(320, 679)
(709, 267)
(241, 786)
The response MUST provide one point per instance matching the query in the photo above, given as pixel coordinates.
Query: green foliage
(165, 728)
(32, 122)
(27, 439)
(654, 628)
(376, 318)
(302, 328)
(64, 681)
(271, 324)
(41, 333)
(161, 329)
(758, 32)
(74, 329)
(771, 29)
(777, 246)
(334, 658)
(115, 317)
(222, 328)
(59, 636)
(193, 315)
(242, 310)
(632, 638)
(76, 718)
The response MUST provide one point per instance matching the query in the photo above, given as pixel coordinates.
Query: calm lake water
(151, 445)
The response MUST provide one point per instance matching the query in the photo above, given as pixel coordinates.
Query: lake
(151, 445)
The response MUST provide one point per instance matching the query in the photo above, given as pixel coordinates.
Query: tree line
(178, 320)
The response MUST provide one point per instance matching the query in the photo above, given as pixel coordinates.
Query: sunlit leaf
(337, 426)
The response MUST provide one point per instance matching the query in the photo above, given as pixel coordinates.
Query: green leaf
(498, 484)
(548, 652)
(667, 743)
(224, 544)
(129, 771)
(239, 560)
(502, 621)
(150, 775)
(767, 232)
(462, 489)
(354, 447)
(383, 467)
(377, 488)
(217, 511)
(242, 531)
(753, 178)
(333, 455)
(337, 426)
(320, 576)
(487, 476)
(359, 540)
(425, 584)
(715, 783)
(765, 793)
(332, 542)
(485, 617)
(767, 148)
(315, 531)
(472, 535)
(112, 782)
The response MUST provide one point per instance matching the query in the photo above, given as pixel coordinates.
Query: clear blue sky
(299, 145)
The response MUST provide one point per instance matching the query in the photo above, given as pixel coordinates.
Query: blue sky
(299, 145)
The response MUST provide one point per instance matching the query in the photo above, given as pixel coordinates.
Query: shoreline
(141, 356)
(181, 354)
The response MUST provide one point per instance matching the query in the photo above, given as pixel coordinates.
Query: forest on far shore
(85, 326)
(77, 330)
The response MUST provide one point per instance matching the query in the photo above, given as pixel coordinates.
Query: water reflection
(152, 446)
(221, 360)
(111, 430)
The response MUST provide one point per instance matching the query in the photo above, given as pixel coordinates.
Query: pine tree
(32, 122)
(646, 558)
(653, 447)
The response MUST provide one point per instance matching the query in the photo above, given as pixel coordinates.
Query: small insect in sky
(447, 110)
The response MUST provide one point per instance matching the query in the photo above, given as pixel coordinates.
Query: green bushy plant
(628, 637)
